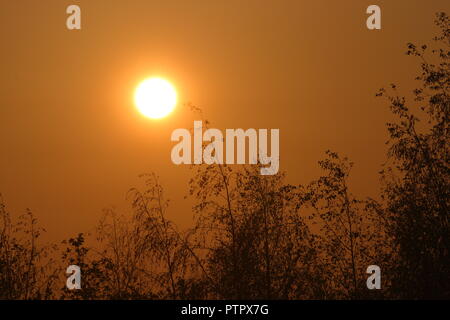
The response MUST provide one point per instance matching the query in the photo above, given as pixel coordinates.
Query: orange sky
(73, 143)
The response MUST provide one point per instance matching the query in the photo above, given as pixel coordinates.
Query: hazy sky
(73, 143)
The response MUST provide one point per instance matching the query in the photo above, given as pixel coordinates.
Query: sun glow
(155, 98)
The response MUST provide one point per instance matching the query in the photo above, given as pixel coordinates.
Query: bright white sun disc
(155, 98)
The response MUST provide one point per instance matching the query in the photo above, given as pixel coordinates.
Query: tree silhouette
(258, 246)
(351, 235)
(416, 180)
(26, 269)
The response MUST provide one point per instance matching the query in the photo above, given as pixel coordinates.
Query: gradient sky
(73, 143)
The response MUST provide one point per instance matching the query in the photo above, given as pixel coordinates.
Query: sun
(155, 98)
